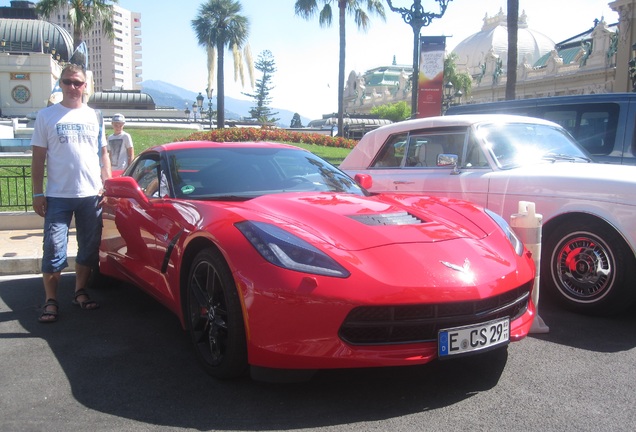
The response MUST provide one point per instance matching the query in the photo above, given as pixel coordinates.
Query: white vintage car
(588, 245)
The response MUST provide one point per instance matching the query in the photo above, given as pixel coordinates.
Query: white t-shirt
(117, 148)
(73, 142)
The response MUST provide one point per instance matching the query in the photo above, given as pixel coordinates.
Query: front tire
(214, 316)
(589, 268)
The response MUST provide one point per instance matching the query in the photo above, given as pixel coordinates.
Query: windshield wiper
(226, 198)
(564, 157)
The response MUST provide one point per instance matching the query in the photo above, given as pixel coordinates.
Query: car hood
(592, 181)
(351, 222)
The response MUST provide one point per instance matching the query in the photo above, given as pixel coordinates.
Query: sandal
(49, 316)
(87, 304)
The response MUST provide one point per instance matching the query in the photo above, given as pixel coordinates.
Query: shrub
(278, 135)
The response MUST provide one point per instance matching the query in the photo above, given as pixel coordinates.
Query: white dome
(472, 51)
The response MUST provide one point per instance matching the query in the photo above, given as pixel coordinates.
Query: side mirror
(364, 180)
(447, 160)
(124, 187)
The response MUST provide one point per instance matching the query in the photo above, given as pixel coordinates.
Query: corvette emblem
(464, 269)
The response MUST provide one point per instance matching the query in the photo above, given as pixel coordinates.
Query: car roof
(183, 145)
(371, 142)
(541, 101)
(457, 120)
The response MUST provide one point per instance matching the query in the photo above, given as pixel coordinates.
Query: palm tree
(219, 24)
(83, 14)
(308, 8)
(513, 27)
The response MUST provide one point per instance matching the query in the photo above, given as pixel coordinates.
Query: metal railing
(15, 187)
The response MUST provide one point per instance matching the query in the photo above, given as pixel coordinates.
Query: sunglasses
(77, 84)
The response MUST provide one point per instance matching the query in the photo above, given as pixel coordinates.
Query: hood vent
(399, 218)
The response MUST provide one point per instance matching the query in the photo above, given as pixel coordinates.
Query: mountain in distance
(168, 95)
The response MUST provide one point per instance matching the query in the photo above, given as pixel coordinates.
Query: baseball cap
(119, 118)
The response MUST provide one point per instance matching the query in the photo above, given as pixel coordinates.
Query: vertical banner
(431, 76)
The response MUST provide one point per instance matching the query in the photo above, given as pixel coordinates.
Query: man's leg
(51, 282)
(50, 309)
(82, 275)
(88, 222)
(56, 223)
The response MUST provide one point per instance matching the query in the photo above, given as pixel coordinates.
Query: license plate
(474, 337)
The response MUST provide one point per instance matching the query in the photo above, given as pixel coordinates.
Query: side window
(424, 150)
(595, 133)
(146, 173)
(392, 153)
(416, 148)
(566, 118)
(475, 157)
(593, 125)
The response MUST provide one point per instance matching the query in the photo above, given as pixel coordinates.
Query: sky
(306, 54)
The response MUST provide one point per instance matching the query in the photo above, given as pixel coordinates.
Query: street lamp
(46, 46)
(3, 44)
(451, 97)
(417, 18)
(195, 109)
(200, 105)
(210, 112)
(187, 112)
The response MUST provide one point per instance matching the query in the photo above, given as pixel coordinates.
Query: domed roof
(130, 99)
(29, 35)
(472, 51)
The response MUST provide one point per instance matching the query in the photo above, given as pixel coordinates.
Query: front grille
(375, 325)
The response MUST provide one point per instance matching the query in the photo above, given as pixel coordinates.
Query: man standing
(69, 138)
(120, 145)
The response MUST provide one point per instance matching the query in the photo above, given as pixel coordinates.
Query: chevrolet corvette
(273, 259)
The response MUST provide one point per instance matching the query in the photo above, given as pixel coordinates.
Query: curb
(18, 266)
(21, 244)
(11, 221)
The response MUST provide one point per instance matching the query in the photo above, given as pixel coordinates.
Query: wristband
(37, 195)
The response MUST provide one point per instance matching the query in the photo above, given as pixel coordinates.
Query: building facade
(33, 52)
(594, 61)
(116, 64)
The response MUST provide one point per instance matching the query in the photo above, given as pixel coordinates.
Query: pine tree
(261, 112)
(296, 122)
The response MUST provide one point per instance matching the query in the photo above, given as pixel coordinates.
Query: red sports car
(272, 258)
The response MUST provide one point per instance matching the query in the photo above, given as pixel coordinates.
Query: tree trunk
(513, 27)
(342, 5)
(220, 92)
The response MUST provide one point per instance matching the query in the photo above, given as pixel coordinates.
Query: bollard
(527, 225)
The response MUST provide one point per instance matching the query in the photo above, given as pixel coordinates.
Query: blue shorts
(57, 221)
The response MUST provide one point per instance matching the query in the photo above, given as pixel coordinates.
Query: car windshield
(517, 144)
(238, 173)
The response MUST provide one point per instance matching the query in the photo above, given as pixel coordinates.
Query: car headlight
(285, 250)
(512, 237)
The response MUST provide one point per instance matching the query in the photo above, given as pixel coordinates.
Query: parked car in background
(604, 124)
(273, 258)
(589, 209)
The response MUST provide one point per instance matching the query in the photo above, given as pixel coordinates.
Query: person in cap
(120, 144)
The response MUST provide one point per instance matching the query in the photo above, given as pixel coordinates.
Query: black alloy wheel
(214, 317)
